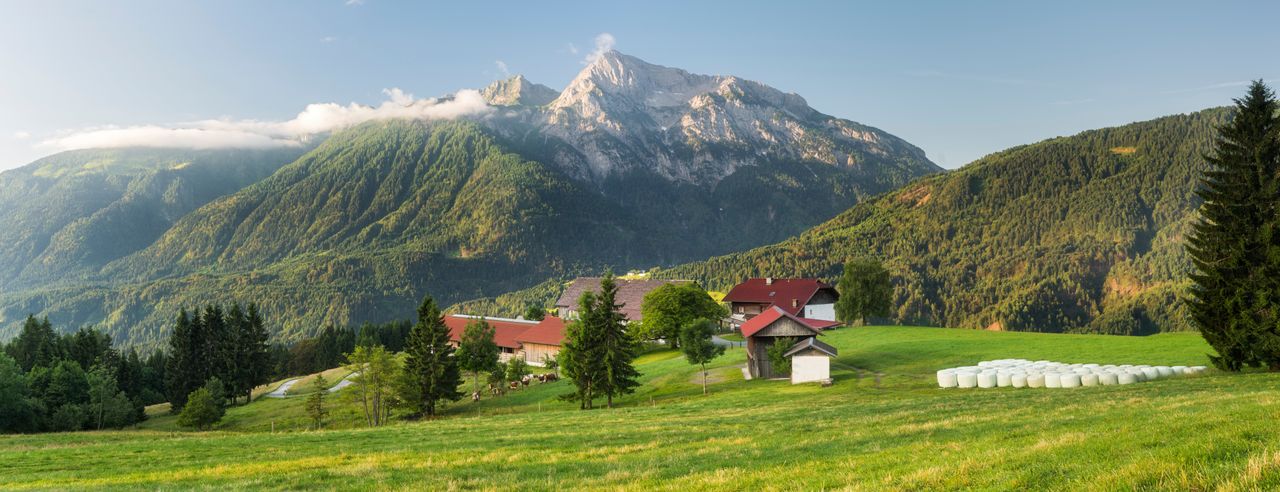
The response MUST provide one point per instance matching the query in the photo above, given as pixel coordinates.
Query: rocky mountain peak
(518, 91)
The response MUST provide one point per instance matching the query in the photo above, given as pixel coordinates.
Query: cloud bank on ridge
(314, 119)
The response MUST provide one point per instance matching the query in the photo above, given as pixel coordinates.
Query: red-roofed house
(528, 339)
(774, 324)
(804, 297)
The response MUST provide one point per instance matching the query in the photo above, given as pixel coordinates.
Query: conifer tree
(580, 356)
(1234, 245)
(430, 365)
(617, 347)
(182, 374)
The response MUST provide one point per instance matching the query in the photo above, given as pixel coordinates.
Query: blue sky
(959, 79)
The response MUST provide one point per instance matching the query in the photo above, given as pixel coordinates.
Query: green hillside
(361, 227)
(1078, 234)
(895, 432)
(69, 214)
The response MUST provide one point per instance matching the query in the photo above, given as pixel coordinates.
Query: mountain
(622, 115)
(1073, 234)
(375, 216)
(68, 214)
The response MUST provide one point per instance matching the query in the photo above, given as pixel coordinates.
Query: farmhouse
(774, 324)
(808, 298)
(528, 339)
(630, 295)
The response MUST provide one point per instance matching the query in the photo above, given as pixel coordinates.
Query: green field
(891, 428)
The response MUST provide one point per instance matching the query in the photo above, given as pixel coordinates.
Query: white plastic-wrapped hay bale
(1164, 371)
(1004, 379)
(987, 379)
(1069, 380)
(1090, 379)
(1035, 380)
(1127, 378)
(966, 380)
(1052, 380)
(1151, 373)
(947, 378)
(1179, 370)
(1109, 379)
(1197, 370)
(1018, 380)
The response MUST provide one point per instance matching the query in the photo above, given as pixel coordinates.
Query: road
(280, 392)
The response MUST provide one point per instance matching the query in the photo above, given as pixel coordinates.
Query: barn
(528, 339)
(542, 340)
(764, 330)
(630, 295)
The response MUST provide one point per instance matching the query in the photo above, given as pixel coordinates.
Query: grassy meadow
(882, 425)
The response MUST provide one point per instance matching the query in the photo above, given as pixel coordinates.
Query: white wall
(825, 312)
(809, 368)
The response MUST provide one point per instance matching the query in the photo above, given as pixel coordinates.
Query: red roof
(781, 292)
(763, 320)
(505, 331)
(549, 331)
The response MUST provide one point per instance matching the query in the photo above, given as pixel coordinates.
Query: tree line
(77, 381)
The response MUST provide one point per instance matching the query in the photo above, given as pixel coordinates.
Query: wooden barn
(764, 330)
(527, 339)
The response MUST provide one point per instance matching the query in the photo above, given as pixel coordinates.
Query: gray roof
(810, 343)
(630, 293)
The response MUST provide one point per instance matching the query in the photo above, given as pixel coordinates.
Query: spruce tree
(617, 347)
(580, 353)
(1234, 246)
(181, 373)
(430, 364)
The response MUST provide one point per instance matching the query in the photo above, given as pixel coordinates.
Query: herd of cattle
(498, 390)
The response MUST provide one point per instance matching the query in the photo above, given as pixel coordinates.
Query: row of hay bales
(1022, 373)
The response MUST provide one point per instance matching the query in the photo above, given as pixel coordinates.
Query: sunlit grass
(1216, 431)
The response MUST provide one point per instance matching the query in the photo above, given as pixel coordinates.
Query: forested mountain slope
(1082, 233)
(1079, 234)
(66, 215)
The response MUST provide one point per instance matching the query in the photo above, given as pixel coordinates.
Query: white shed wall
(810, 368)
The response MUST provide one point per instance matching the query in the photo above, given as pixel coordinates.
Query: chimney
(768, 280)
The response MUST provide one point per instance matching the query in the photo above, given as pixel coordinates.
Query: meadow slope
(895, 431)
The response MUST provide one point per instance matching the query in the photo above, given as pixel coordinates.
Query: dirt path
(280, 392)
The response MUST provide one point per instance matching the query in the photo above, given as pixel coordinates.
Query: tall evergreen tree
(256, 353)
(617, 346)
(430, 364)
(580, 356)
(1234, 247)
(185, 365)
(36, 345)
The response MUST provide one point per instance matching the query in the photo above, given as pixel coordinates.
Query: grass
(1212, 432)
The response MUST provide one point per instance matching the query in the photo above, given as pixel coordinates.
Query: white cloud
(604, 43)
(328, 39)
(353, 3)
(502, 67)
(573, 50)
(314, 119)
(21, 135)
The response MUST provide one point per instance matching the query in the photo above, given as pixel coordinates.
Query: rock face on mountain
(518, 91)
(622, 114)
(633, 165)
